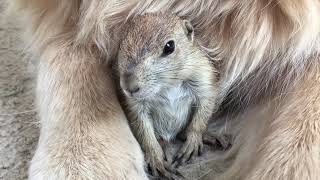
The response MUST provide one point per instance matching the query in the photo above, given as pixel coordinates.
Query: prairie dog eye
(168, 48)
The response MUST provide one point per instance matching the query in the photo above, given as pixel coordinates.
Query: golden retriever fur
(268, 57)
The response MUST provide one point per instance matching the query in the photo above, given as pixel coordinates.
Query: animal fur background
(18, 123)
(19, 126)
(269, 54)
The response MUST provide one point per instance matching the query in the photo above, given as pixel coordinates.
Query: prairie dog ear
(188, 29)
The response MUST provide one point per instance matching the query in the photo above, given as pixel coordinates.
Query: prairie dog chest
(171, 112)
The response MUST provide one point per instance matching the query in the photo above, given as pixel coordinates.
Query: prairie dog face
(155, 54)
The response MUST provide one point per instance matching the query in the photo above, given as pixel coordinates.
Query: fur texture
(268, 51)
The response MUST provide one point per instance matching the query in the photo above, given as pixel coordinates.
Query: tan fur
(76, 143)
(84, 133)
(268, 49)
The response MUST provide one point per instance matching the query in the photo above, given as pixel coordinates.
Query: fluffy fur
(268, 51)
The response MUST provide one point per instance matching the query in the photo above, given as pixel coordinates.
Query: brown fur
(264, 46)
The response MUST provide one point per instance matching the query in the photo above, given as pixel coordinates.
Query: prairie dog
(169, 85)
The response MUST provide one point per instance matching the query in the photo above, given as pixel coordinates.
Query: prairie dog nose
(130, 83)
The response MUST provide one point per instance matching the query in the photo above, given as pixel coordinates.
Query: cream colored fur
(269, 55)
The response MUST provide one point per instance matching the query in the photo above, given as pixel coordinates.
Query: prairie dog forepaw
(161, 168)
(192, 148)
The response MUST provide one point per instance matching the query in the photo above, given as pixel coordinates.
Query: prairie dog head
(156, 53)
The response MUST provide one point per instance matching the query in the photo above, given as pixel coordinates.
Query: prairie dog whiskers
(169, 85)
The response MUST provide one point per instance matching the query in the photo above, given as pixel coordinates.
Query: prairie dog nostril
(130, 83)
(133, 90)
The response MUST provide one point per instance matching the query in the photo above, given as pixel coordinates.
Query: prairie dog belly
(171, 112)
